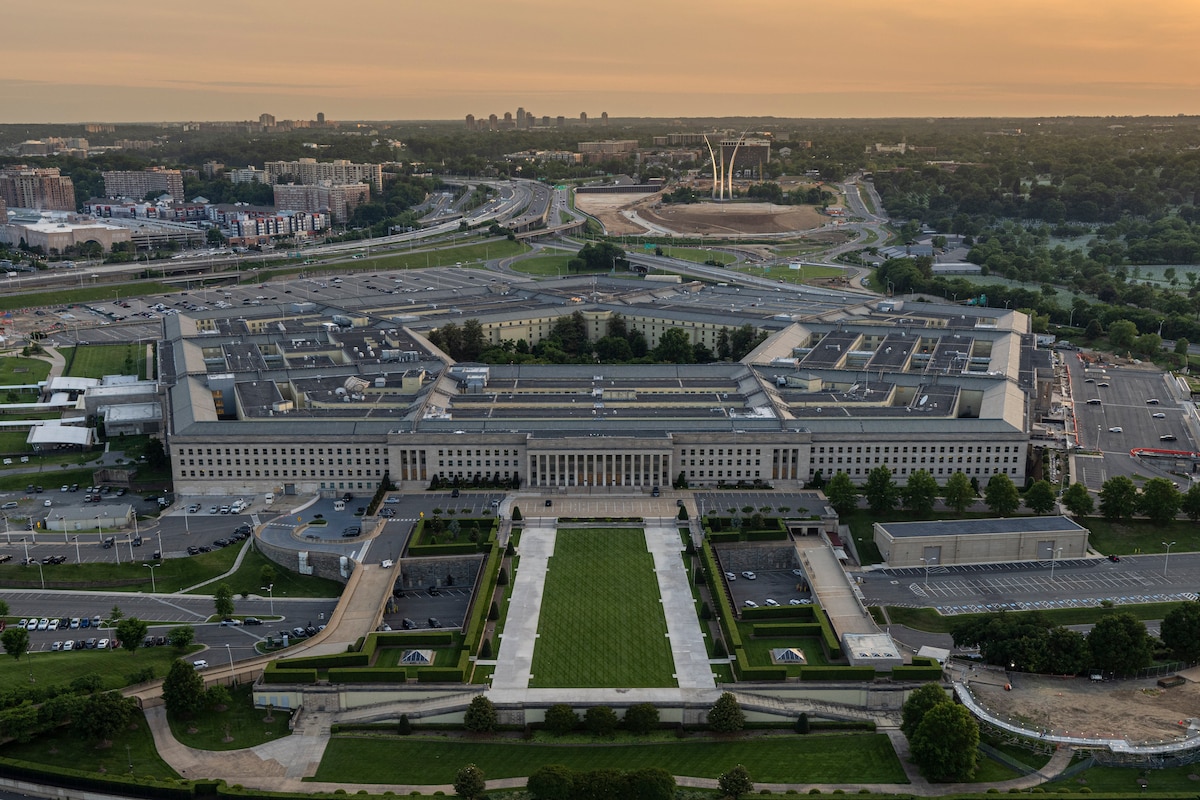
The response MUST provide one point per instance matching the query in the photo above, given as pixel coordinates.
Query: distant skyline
(380, 60)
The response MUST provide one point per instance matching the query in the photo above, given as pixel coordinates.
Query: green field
(173, 575)
(1128, 781)
(928, 619)
(788, 275)
(698, 255)
(52, 476)
(248, 579)
(466, 254)
(601, 621)
(59, 669)
(244, 723)
(98, 360)
(545, 265)
(857, 758)
(85, 294)
(1142, 536)
(15, 370)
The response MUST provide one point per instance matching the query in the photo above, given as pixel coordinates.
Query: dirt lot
(1133, 710)
(698, 218)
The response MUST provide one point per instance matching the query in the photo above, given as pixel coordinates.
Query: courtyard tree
(480, 716)
(561, 719)
(641, 718)
(918, 705)
(1118, 498)
(469, 782)
(223, 600)
(601, 721)
(103, 715)
(1180, 631)
(735, 782)
(1119, 643)
(1001, 495)
(1040, 498)
(267, 575)
(183, 690)
(1159, 500)
(1078, 500)
(842, 493)
(959, 494)
(881, 490)
(946, 743)
(726, 715)
(920, 493)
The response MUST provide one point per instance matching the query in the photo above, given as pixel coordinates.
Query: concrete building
(979, 541)
(42, 189)
(612, 148)
(338, 200)
(309, 171)
(59, 231)
(96, 520)
(247, 175)
(136, 184)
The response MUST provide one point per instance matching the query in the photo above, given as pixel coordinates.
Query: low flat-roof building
(979, 541)
(87, 519)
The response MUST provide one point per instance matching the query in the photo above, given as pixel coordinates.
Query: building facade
(311, 171)
(41, 189)
(136, 184)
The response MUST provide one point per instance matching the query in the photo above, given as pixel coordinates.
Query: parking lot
(781, 586)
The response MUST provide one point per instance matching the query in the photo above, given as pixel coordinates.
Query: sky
(415, 59)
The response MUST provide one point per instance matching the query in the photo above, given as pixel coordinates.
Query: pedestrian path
(524, 608)
(692, 668)
(237, 563)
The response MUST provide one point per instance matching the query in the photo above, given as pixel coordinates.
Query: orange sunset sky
(423, 59)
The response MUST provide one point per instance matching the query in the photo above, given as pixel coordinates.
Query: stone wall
(324, 565)
(421, 573)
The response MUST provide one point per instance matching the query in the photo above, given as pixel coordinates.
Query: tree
(223, 600)
(183, 690)
(919, 704)
(1182, 345)
(469, 782)
(803, 726)
(131, 632)
(1093, 330)
(116, 615)
(1078, 500)
(648, 783)
(601, 721)
(1065, 652)
(403, 726)
(1190, 502)
(104, 714)
(561, 719)
(735, 782)
(1118, 498)
(726, 715)
(3, 608)
(1001, 495)
(181, 637)
(217, 697)
(1119, 643)
(641, 718)
(1180, 631)
(480, 716)
(842, 494)
(945, 745)
(156, 456)
(267, 575)
(551, 782)
(1122, 333)
(881, 491)
(15, 641)
(958, 493)
(674, 347)
(1040, 498)
(1160, 500)
(920, 493)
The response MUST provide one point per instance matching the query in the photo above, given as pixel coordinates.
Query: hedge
(404, 639)
(110, 783)
(724, 537)
(916, 673)
(456, 549)
(725, 612)
(368, 675)
(482, 603)
(288, 675)
(765, 536)
(815, 673)
(439, 675)
(803, 629)
(771, 673)
(780, 612)
(833, 648)
(323, 662)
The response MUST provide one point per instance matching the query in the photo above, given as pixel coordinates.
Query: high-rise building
(266, 120)
(320, 118)
(470, 122)
(604, 118)
(138, 183)
(311, 171)
(583, 117)
(336, 199)
(44, 189)
(493, 122)
(521, 123)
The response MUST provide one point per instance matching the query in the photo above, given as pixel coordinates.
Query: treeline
(568, 343)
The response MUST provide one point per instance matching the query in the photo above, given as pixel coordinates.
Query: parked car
(750, 576)
(751, 604)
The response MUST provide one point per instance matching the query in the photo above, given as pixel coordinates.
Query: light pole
(26, 543)
(229, 652)
(927, 562)
(7, 532)
(1167, 558)
(78, 560)
(152, 567)
(1160, 324)
(1053, 556)
(271, 591)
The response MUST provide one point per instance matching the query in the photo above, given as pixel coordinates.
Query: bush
(561, 719)
(403, 726)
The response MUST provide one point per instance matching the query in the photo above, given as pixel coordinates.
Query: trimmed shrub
(368, 675)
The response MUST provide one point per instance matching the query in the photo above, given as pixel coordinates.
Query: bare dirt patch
(1134, 710)
(697, 218)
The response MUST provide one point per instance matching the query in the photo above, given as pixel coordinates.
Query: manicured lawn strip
(1125, 779)
(173, 575)
(602, 621)
(418, 259)
(697, 256)
(59, 669)
(51, 478)
(245, 724)
(927, 619)
(858, 758)
(248, 578)
(98, 360)
(1033, 758)
(759, 650)
(15, 370)
(989, 771)
(13, 440)
(65, 748)
(544, 265)
(84, 294)
(1142, 536)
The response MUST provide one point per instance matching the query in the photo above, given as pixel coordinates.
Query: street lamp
(230, 653)
(271, 591)
(7, 532)
(1167, 558)
(1053, 557)
(927, 562)
(78, 560)
(152, 567)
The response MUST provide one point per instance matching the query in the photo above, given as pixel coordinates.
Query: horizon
(875, 60)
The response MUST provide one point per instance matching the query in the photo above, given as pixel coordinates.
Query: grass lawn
(51, 478)
(698, 255)
(788, 275)
(173, 575)
(989, 771)
(245, 725)
(13, 440)
(865, 758)
(758, 650)
(15, 370)
(59, 669)
(417, 259)
(248, 578)
(64, 748)
(544, 265)
(601, 620)
(98, 360)
(84, 294)
(1032, 758)
(1142, 536)
(928, 619)
(1128, 780)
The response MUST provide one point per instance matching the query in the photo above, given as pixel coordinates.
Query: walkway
(692, 668)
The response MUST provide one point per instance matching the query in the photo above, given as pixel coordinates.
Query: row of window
(278, 473)
(237, 462)
(925, 448)
(283, 451)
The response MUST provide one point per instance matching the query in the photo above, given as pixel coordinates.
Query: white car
(48, 503)
(68, 645)
(200, 664)
(43, 624)
(1159, 415)
(799, 573)
(56, 646)
(795, 602)
(53, 624)
(750, 576)
(1116, 429)
(23, 623)
(751, 604)
(102, 644)
(771, 602)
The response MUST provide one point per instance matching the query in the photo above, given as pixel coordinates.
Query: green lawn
(601, 621)
(928, 619)
(858, 758)
(98, 360)
(1142, 536)
(15, 371)
(698, 255)
(59, 669)
(544, 265)
(1129, 780)
(758, 650)
(245, 725)
(418, 259)
(53, 476)
(85, 294)
(788, 275)
(13, 441)
(173, 575)
(248, 578)
(65, 748)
